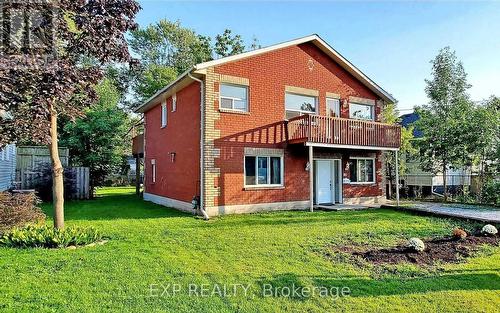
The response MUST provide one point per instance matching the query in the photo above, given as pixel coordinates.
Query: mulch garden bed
(447, 250)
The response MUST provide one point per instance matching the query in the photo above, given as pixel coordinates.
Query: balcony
(337, 132)
(138, 146)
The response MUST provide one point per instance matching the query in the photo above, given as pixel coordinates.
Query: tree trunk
(445, 191)
(57, 173)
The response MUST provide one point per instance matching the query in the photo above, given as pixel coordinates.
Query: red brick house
(289, 126)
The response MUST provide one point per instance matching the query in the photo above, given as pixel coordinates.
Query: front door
(324, 181)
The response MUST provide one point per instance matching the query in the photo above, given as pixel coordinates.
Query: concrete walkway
(478, 213)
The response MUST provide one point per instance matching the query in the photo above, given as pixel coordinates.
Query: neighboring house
(7, 166)
(284, 127)
(431, 183)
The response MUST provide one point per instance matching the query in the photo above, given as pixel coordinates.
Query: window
(234, 97)
(153, 170)
(296, 104)
(362, 170)
(361, 111)
(263, 170)
(164, 114)
(174, 102)
(332, 107)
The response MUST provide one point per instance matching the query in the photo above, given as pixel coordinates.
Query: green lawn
(153, 245)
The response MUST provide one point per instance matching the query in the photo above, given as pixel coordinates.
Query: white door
(324, 181)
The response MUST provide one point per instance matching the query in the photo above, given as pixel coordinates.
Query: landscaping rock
(459, 233)
(489, 230)
(71, 247)
(416, 244)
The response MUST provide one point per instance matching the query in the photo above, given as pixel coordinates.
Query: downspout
(202, 146)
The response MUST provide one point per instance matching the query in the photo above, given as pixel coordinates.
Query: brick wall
(177, 179)
(302, 66)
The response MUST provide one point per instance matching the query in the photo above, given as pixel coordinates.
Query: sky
(391, 42)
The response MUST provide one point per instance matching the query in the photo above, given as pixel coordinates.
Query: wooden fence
(31, 157)
(79, 176)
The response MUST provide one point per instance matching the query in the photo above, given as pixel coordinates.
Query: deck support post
(137, 174)
(397, 178)
(311, 179)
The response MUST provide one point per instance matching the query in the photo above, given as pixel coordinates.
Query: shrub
(416, 244)
(42, 182)
(459, 233)
(489, 230)
(491, 192)
(18, 209)
(44, 236)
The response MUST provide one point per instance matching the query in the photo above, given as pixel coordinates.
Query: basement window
(263, 171)
(362, 170)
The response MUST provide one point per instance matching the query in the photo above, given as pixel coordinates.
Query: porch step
(345, 207)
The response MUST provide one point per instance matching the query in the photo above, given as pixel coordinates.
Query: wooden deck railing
(343, 131)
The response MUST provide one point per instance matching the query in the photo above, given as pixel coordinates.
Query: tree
(390, 115)
(226, 44)
(171, 45)
(484, 137)
(167, 49)
(254, 45)
(152, 79)
(96, 140)
(49, 76)
(445, 121)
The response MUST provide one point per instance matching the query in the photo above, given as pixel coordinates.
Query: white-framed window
(164, 114)
(153, 170)
(362, 170)
(332, 107)
(297, 104)
(233, 97)
(262, 170)
(174, 102)
(361, 111)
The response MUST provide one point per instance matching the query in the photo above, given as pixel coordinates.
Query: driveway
(478, 213)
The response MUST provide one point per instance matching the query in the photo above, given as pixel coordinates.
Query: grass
(155, 246)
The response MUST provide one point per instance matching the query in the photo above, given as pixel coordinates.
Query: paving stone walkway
(478, 213)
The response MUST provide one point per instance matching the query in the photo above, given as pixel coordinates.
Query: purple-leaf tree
(52, 56)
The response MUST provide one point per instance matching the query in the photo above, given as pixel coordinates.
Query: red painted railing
(343, 131)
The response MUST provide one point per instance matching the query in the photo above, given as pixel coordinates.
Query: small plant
(489, 230)
(18, 210)
(459, 233)
(416, 244)
(44, 236)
